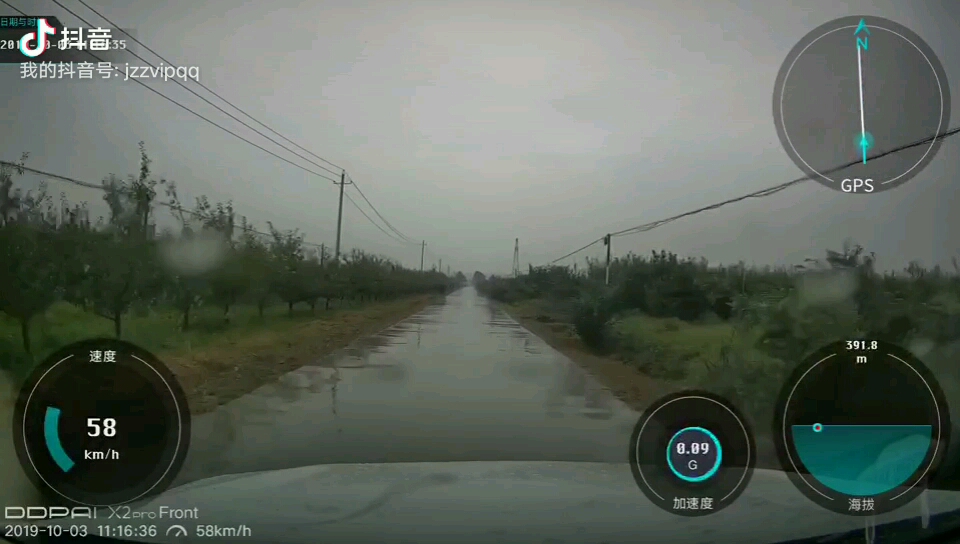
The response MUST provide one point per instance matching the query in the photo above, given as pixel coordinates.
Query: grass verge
(216, 361)
(233, 366)
(658, 356)
(626, 382)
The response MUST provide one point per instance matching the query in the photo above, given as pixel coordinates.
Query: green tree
(31, 257)
(255, 258)
(186, 283)
(119, 263)
(229, 281)
(289, 282)
(31, 277)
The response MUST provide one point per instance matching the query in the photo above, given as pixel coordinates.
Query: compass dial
(861, 104)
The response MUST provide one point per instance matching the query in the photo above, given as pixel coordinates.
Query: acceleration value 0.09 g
(695, 448)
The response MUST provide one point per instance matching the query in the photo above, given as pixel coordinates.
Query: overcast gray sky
(471, 123)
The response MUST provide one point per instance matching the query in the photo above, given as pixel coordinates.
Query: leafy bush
(554, 282)
(591, 320)
(789, 312)
(687, 300)
(750, 381)
(723, 307)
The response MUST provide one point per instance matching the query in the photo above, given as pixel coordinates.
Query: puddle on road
(459, 381)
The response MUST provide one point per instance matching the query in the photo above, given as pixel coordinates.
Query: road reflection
(459, 381)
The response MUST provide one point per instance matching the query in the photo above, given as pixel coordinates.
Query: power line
(209, 90)
(165, 97)
(174, 207)
(169, 205)
(389, 235)
(777, 188)
(403, 236)
(574, 252)
(756, 194)
(396, 235)
(191, 91)
(116, 69)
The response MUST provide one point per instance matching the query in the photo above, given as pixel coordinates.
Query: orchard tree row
(52, 252)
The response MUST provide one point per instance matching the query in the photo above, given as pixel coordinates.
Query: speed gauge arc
(861, 104)
(101, 422)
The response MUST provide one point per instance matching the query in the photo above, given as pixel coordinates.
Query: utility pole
(323, 253)
(516, 257)
(423, 246)
(606, 242)
(343, 179)
(440, 266)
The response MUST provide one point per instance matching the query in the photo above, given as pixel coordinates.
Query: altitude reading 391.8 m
(862, 427)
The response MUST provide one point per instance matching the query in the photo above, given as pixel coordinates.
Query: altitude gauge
(861, 104)
(861, 427)
(101, 423)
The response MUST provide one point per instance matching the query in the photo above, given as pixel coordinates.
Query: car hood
(467, 502)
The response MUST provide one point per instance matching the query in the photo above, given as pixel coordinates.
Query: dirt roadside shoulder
(219, 373)
(628, 384)
(632, 387)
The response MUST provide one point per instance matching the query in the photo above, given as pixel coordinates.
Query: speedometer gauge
(101, 422)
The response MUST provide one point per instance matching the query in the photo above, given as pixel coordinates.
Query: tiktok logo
(43, 29)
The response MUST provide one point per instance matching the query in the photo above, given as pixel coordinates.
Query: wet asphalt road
(459, 381)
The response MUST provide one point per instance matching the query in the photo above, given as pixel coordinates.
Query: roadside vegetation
(734, 329)
(211, 280)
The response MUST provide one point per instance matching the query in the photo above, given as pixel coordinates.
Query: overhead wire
(646, 227)
(574, 252)
(403, 237)
(374, 223)
(198, 95)
(171, 206)
(209, 90)
(777, 188)
(202, 117)
(185, 108)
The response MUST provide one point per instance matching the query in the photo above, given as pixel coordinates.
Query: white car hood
(467, 502)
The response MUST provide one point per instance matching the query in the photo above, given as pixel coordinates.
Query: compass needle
(862, 45)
